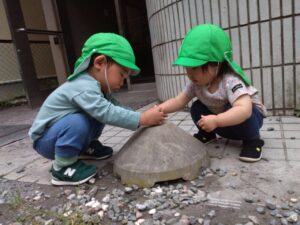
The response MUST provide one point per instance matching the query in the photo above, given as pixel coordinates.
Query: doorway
(80, 19)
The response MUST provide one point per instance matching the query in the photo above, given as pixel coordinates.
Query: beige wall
(42, 55)
(33, 15)
(4, 31)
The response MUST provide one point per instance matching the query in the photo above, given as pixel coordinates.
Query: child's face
(200, 76)
(116, 75)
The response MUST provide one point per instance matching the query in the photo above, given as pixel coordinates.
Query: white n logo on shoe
(90, 151)
(69, 172)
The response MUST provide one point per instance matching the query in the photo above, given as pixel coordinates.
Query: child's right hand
(153, 116)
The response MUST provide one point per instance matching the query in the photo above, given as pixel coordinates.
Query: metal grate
(9, 68)
(43, 59)
(10, 79)
(11, 85)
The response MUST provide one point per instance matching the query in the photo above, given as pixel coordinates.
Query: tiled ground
(281, 134)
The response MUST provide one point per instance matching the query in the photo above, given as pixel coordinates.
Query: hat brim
(188, 62)
(85, 63)
(127, 64)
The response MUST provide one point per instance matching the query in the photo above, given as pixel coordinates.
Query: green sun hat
(108, 44)
(207, 43)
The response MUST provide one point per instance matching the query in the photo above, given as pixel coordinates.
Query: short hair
(223, 69)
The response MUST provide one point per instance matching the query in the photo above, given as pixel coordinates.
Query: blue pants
(248, 130)
(69, 136)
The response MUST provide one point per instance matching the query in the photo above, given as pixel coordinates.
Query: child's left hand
(208, 123)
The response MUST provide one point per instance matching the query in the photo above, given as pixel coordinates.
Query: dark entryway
(136, 28)
(80, 19)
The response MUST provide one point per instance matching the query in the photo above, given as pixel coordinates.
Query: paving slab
(267, 126)
(16, 155)
(12, 133)
(291, 127)
(274, 154)
(273, 143)
(270, 134)
(293, 154)
(291, 134)
(292, 143)
(32, 174)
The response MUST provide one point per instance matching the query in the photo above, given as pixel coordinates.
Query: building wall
(40, 46)
(265, 36)
(10, 76)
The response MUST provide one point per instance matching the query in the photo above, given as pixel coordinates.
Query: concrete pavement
(275, 175)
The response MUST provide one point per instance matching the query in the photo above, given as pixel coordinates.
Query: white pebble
(139, 222)
(158, 190)
(106, 198)
(294, 200)
(71, 196)
(293, 218)
(90, 203)
(96, 204)
(104, 207)
(101, 214)
(92, 180)
(36, 198)
(177, 214)
(66, 214)
(152, 211)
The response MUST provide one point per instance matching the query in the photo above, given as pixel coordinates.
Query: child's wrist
(142, 120)
(217, 121)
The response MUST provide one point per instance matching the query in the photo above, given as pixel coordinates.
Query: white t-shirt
(230, 88)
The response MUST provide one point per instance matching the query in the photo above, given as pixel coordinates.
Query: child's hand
(153, 116)
(161, 110)
(208, 123)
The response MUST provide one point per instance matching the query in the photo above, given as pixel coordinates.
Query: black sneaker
(97, 151)
(75, 174)
(252, 151)
(205, 139)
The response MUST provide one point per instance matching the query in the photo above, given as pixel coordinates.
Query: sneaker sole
(70, 183)
(246, 159)
(90, 157)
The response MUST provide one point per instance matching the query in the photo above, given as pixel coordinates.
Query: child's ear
(99, 61)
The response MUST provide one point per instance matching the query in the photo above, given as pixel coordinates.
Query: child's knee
(79, 124)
